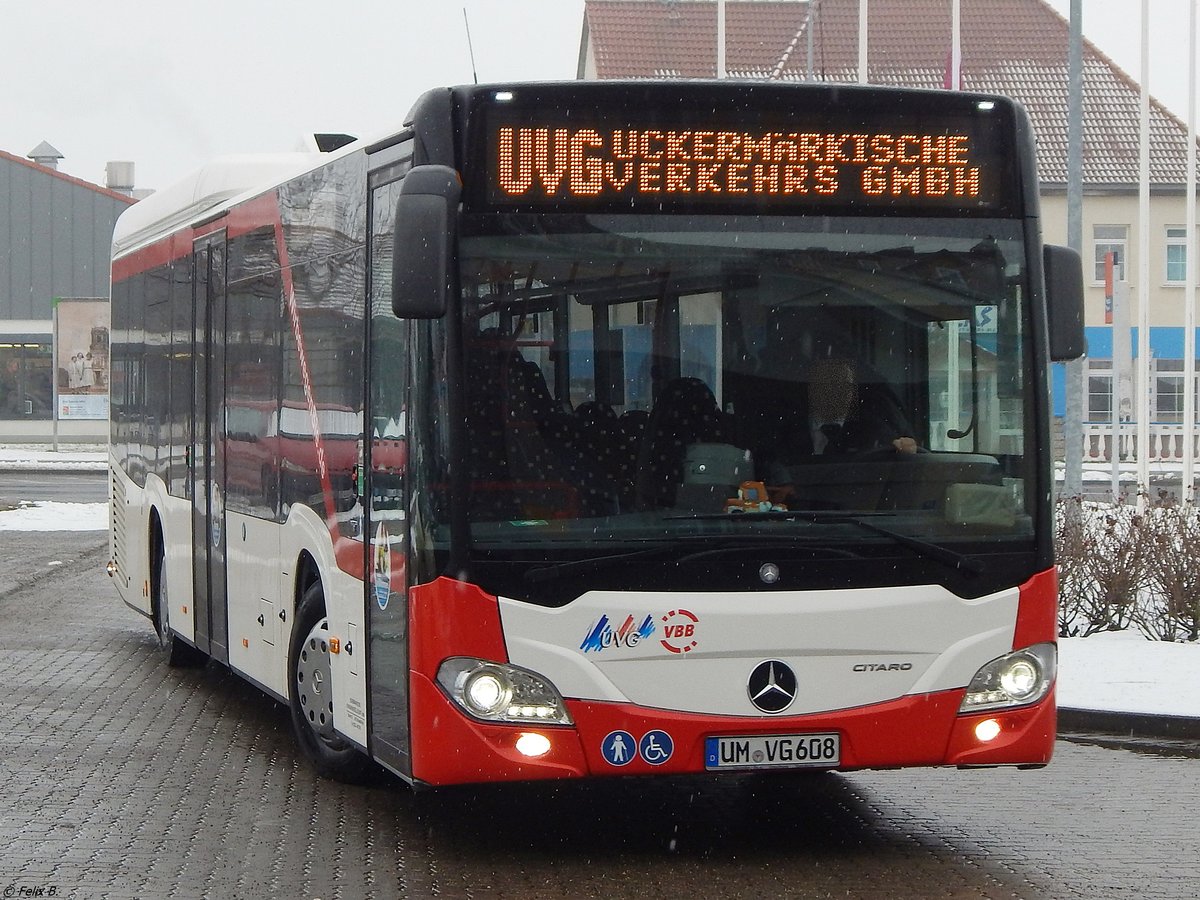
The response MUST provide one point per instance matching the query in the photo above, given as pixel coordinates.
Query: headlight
(1016, 679)
(495, 692)
(487, 692)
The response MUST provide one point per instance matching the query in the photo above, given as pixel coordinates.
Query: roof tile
(1017, 48)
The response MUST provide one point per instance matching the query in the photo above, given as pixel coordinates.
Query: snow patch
(1122, 671)
(54, 516)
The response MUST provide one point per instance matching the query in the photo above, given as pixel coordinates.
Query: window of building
(1176, 254)
(26, 389)
(1109, 239)
(1168, 391)
(1168, 398)
(1100, 397)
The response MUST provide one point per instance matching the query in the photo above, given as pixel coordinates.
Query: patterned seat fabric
(685, 413)
(551, 450)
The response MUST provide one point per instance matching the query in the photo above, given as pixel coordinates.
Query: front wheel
(179, 652)
(312, 696)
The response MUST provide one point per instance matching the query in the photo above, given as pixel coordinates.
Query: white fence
(1166, 442)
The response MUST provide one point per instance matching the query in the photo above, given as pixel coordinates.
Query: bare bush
(1171, 609)
(1118, 551)
(1070, 539)
(1119, 568)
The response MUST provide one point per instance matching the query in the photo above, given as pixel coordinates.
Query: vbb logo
(679, 631)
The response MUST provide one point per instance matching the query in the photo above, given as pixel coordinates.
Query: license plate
(766, 751)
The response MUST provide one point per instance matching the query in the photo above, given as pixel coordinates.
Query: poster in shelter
(81, 358)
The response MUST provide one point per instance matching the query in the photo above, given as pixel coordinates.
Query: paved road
(64, 485)
(120, 778)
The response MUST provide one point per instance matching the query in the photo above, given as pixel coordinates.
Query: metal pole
(862, 41)
(810, 21)
(1143, 268)
(720, 38)
(1190, 272)
(54, 375)
(1073, 421)
(956, 46)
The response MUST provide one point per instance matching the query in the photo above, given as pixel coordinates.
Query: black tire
(179, 653)
(311, 700)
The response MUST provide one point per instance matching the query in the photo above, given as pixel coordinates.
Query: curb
(1132, 725)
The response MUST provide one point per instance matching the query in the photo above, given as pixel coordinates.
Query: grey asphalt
(122, 779)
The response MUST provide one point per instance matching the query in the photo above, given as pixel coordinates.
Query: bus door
(389, 484)
(206, 470)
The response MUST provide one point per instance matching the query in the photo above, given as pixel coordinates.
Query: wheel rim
(164, 608)
(314, 685)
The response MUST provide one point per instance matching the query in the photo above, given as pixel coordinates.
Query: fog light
(987, 730)
(531, 744)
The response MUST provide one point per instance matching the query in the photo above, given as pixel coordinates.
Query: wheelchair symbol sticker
(618, 748)
(656, 747)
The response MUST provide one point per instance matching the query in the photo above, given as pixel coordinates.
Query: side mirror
(1064, 302)
(424, 242)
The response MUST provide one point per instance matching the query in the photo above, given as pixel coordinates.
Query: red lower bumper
(449, 748)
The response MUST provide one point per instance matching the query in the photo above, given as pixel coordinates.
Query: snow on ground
(87, 457)
(53, 516)
(1121, 671)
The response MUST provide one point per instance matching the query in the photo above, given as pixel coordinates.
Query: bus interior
(615, 368)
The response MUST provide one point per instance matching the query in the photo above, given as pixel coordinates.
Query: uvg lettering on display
(549, 163)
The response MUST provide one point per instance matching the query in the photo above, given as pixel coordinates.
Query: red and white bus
(491, 446)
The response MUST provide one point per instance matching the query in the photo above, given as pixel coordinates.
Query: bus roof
(226, 181)
(214, 187)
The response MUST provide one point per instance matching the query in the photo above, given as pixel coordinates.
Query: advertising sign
(81, 369)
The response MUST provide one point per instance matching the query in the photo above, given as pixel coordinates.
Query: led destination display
(535, 165)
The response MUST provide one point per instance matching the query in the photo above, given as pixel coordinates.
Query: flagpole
(1143, 269)
(1190, 273)
(809, 22)
(956, 46)
(1073, 418)
(862, 41)
(720, 38)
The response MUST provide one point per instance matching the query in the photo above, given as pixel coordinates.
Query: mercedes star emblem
(772, 686)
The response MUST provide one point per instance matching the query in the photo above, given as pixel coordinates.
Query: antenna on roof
(470, 46)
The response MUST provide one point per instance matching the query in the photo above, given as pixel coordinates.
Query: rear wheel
(312, 696)
(179, 652)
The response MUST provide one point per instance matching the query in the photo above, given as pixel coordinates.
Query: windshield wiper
(968, 564)
(774, 515)
(551, 572)
(952, 558)
(797, 543)
(727, 544)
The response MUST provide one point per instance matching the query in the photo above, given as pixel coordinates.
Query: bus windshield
(634, 379)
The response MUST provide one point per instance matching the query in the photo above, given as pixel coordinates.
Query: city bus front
(739, 461)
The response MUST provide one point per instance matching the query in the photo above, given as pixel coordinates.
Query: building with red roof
(1018, 48)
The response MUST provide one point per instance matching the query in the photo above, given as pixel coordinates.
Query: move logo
(603, 636)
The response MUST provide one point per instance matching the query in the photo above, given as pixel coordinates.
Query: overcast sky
(169, 84)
